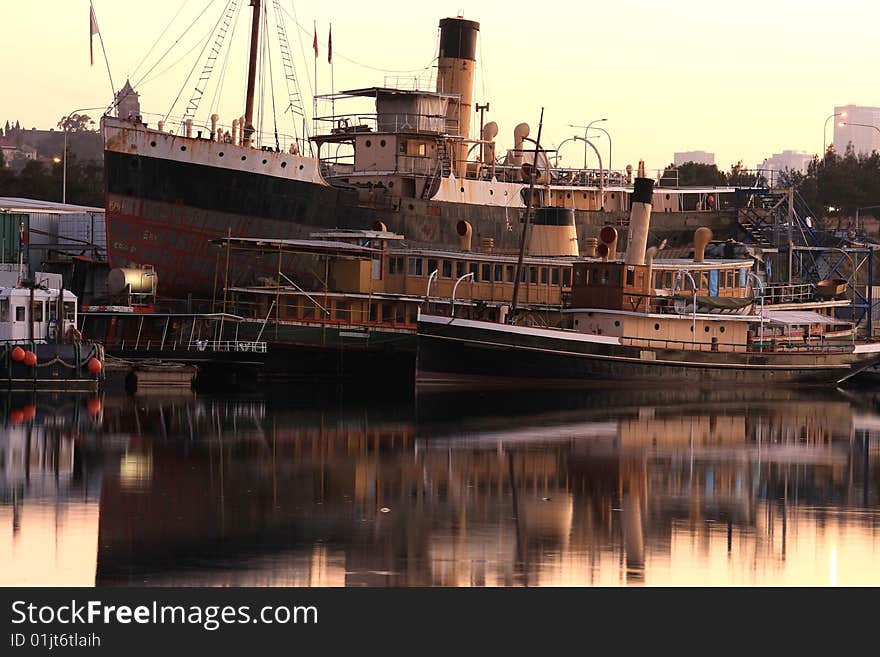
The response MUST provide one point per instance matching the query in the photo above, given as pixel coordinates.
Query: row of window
(723, 279)
(483, 272)
(38, 311)
(380, 311)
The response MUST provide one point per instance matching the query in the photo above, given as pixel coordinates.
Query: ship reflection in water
(592, 488)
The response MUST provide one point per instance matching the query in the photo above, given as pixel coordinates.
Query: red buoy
(94, 366)
(16, 416)
(93, 406)
(17, 354)
(30, 358)
(29, 412)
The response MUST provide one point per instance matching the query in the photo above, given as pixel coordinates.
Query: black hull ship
(408, 165)
(629, 321)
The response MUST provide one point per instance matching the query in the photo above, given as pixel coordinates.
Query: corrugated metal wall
(9, 229)
(84, 230)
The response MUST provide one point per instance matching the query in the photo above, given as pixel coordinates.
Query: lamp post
(825, 131)
(586, 130)
(861, 125)
(64, 154)
(608, 167)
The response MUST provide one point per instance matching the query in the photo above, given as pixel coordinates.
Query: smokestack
(702, 236)
(465, 232)
(639, 221)
(553, 233)
(455, 75)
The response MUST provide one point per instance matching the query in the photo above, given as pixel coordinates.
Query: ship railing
(775, 344)
(260, 140)
(170, 346)
(784, 293)
(358, 123)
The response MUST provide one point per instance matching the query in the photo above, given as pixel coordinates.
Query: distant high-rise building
(699, 157)
(785, 161)
(857, 129)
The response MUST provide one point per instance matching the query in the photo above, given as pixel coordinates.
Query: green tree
(694, 174)
(76, 123)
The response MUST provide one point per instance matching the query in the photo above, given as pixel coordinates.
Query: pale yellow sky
(743, 80)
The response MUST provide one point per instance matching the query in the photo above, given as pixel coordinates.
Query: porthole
(243, 158)
(568, 195)
(153, 144)
(692, 329)
(617, 322)
(462, 190)
(491, 192)
(220, 153)
(585, 197)
(612, 194)
(300, 167)
(412, 207)
(390, 184)
(183, 148)
(283, 164)
(382, 143)
(368, 143)
(656, 327)
(721, 330)
(706, 329)
(264, 161)
(667, 197)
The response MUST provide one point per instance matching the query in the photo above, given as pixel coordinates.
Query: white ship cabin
(372, 278)
(694, 304)
(23, 319)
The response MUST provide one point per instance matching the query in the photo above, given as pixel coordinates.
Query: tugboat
(40, 346)
(644, 320)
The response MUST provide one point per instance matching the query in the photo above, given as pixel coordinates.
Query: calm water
(307, 489)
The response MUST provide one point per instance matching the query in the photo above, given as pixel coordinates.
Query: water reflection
(552, 488)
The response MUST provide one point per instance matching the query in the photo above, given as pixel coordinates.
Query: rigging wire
(271, 81)
(156, 42)
(171, 47)
(141, 83)
(261, 67)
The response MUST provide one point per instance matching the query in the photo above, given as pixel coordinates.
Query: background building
(864, 139)
(700, 157)
(784, 161)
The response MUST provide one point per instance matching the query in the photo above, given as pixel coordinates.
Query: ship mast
(248, 129)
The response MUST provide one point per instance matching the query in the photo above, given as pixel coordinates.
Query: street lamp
(825, 131)
(586, 129)
(64, 154)
(861, 125)
(609, 148)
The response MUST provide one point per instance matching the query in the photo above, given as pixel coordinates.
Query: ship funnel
(607, 243)
(455, 75)
(490, 131)
(465, 232)
(553, 233)
(639, 221)
(702, 236)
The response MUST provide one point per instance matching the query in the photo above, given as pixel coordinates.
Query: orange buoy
(30, 358)
(16, 416)
(94, 366)
(29, 412)
(93, 406)
(17, 354)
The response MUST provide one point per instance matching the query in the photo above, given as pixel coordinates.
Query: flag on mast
(330, 46)
(93, 30)
(315, 40)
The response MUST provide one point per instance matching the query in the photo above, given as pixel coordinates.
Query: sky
(743, 80)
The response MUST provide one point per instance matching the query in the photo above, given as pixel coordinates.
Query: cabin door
(713, 282)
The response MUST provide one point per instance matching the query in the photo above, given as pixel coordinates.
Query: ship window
(387, 312)
(460, 268)
(566, 277)
(447, 269)
(656, 327)
(615, 277)
(704, 281)
(283, 164)
(264, 161)
(545, 275)
(630, 276)
(183, 148)
(19, 313)
(373, 311)
(640, 279)
(721, 329)
(37, 311)
(308, 309)
(415, 267)
(341, 309)
(603, 277)
(533, 274)
(422, 150)
(392, 265)
(729, 278)
(522, 275)
(510, 273)
(499, 273)
(554, 279)
(706, 329)
(243, 158)
(220, 153)
(581, 276)
(667, 277)
(291, 307)
(474, 269)
(400, 313)
(4, 310)
(486, 273)
(70, 311)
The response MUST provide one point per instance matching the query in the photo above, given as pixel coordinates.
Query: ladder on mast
(202, 84)
(294, 96)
